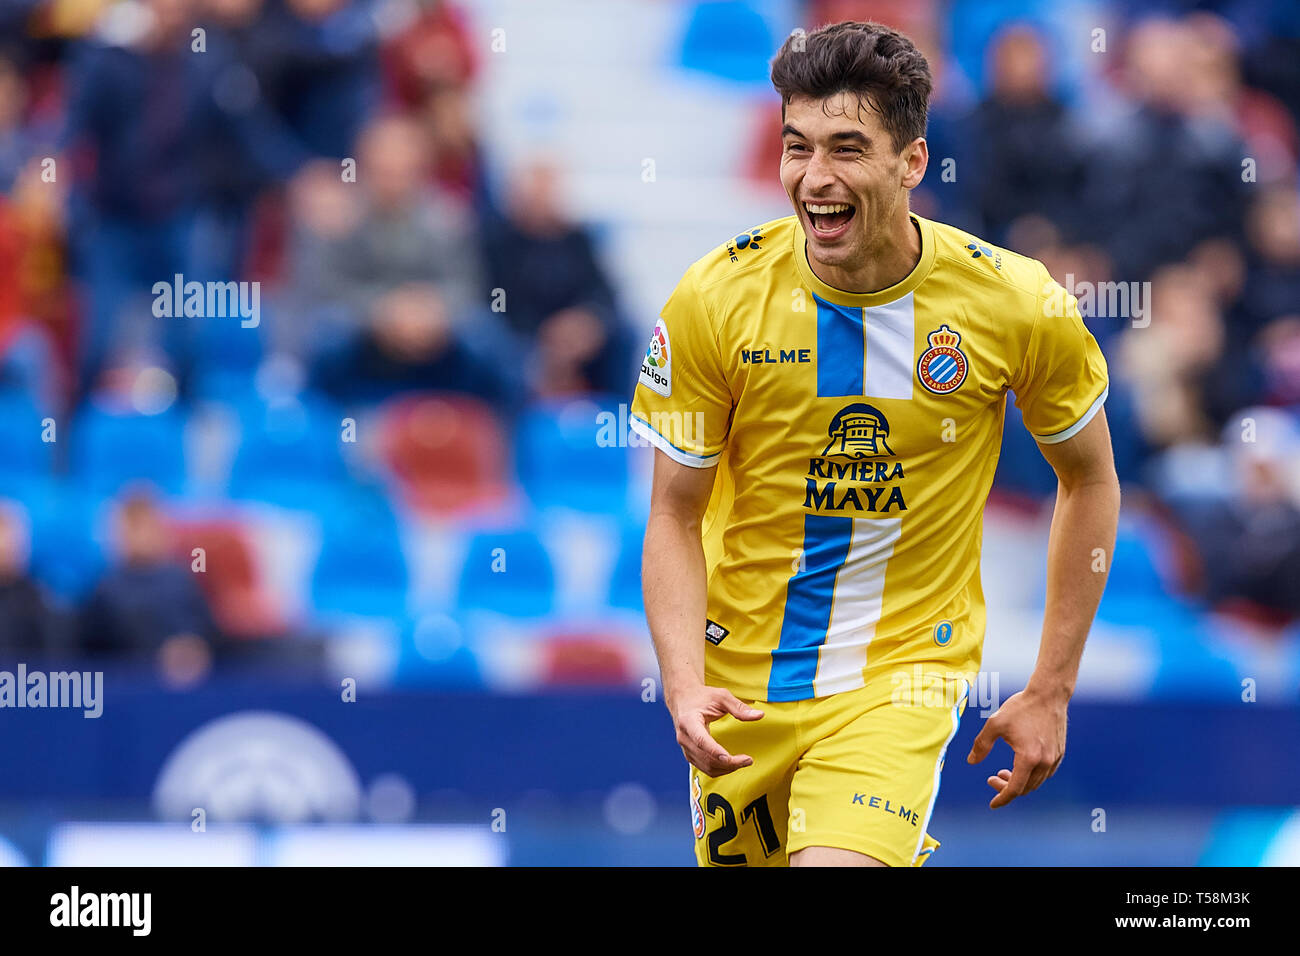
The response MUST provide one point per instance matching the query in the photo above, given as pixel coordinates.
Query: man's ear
(916, 155)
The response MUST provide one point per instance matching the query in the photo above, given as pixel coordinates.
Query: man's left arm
(1079, 551)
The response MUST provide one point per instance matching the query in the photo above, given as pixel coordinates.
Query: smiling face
(849, 186)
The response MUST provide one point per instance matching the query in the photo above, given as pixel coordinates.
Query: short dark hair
(874, 61)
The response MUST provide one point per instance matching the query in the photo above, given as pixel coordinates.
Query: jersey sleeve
(683, 403)
(1063, 380)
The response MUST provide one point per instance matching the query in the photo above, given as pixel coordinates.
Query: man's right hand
(692, 712)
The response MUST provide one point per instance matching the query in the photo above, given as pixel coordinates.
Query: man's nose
(818, 174)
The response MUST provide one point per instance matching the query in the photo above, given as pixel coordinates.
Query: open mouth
(829, 220)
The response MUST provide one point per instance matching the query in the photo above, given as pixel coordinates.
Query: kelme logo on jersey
(697, 813)
(657, 366)
(943, 366)
(853, 473)
(979, 250)
(746, 240)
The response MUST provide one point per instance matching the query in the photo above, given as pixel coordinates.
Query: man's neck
(888, 264)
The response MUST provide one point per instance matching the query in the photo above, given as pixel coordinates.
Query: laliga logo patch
(697, 814)
(656, 367)
(943, 366)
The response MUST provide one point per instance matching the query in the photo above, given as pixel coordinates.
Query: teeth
(826, 210)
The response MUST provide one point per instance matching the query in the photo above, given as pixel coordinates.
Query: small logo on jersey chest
(943, 366)
(715, 632)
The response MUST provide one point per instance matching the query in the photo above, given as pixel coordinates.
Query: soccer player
(826, 394)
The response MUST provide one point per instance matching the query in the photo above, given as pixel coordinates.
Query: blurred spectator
(147, 607)
(317, 65)
(1166, 174)
(1249, 540)
(16, 145)
(1272, 286)
(1167, 361)
(456, 163)
(1026, 159)
(30, 629)
(131, 118)
(432, 51)
(409, 344)
(558, 302)
(1261, 121)
(407, 232)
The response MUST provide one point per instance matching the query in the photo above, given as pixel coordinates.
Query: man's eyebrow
(842, 135)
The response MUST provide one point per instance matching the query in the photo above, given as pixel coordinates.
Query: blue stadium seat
(571, 455)
(27, 460)
(361, 568)
(66, 555)
(625, 582)
(508, 572)
(110, 450)
(435, 652)
(289, 453)
(729, 39)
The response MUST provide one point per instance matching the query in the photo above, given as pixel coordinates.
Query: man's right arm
(674, 584)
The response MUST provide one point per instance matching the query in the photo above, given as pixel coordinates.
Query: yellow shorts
(858, 770)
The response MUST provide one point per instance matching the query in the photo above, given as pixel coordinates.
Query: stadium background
(416, 636)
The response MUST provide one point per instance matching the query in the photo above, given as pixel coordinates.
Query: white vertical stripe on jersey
(855, 605)
(888, 370)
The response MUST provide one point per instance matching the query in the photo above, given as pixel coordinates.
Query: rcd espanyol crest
(943, 366)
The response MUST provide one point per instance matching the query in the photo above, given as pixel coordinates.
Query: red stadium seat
(231, 581)
(448, 453)
(585, 660)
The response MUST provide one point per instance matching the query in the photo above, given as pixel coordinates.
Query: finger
(1015, 785)
(716, 760)
(984, 742)
(1038, 776)
(716, 767)
(738, 708)
(1000, 780)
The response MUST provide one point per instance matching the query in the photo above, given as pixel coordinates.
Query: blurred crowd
(325, 149)
(329, 150)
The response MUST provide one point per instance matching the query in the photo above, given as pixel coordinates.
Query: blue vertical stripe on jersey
(808, 598)
(841, 345)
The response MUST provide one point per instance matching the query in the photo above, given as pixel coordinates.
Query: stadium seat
(231, 580)
(110, 450)
(289, 453)
(446, 452)
(27, 460)
(507, 572)
(584, 659)
(730, 40)
(435, 652)
(571, 454)
(625, 582)
(66, 554)
(361, 569)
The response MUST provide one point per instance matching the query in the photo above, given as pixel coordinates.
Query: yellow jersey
(855, 438)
